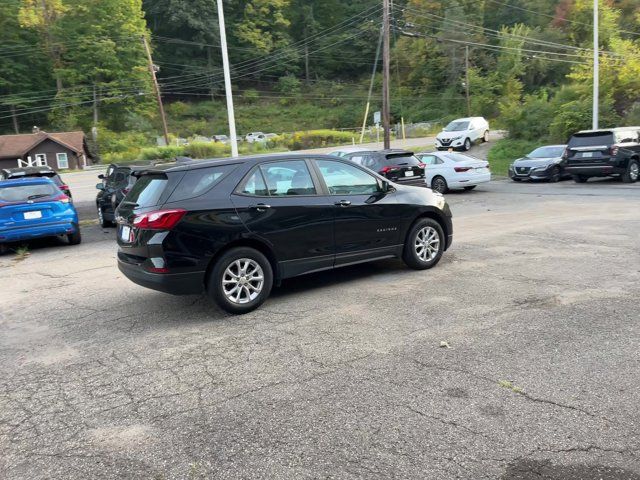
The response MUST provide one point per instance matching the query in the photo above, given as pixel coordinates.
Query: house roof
(15, 146)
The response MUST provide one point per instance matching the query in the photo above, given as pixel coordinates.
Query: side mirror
(386, 187)
(101, 176)
(100, 186)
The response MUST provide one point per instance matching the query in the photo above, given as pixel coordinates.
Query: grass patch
(21, 253)
(505, 151)
(510, 386)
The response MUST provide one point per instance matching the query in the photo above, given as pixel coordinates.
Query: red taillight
(422, 165)
(64, 187)
(61, 198)
(125, 191)
(614, 150)
(159, 219)
(385, 169)
(462, 169)
(157, 269)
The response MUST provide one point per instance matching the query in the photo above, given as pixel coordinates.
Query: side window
(357, 159)
(428, 159)
(439, 161)
(254, 185)
(342, 179)
(199, 181)
(369, 162)
(288, 178)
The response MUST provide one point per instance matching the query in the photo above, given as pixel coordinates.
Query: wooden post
(156, 88)
(385, 74)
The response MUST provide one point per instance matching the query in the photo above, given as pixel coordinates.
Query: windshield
(456, 126)
(23, 193)
(403, 160)
(547, 152)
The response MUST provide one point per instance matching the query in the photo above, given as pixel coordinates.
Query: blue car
(34, 208)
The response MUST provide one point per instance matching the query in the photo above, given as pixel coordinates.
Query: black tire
(215, 286)
(74, 238)
(556, 175)
(516, 179)
(411, 251)
(580, 178)
(439, 184)
(485, 137)
(631, 173)
(467, 144)
(469, 188)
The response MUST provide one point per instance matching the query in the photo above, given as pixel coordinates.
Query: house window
(41, 159)
(63, 160)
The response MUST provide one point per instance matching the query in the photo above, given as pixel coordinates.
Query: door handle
(343, 203)
(261, 207)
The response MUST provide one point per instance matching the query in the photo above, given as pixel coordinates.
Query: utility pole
(227, 81)
(156, 88)
(385, 74)
(15, 119)
(466, 79)
(373, 77)
(596, 65)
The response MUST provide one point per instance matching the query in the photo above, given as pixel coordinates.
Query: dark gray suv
(612, 152)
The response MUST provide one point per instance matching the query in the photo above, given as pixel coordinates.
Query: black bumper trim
(191, 283)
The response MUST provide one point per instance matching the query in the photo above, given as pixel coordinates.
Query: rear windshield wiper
(39, 195)
(130, 203)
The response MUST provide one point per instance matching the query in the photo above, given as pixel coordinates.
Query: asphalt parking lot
(343, 374)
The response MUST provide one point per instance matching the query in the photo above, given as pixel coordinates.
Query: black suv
(234, 227)
(116, 183)
(26, 172)
(601, 153)
(395, 165)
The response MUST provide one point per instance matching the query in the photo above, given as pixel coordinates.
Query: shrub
(315, 139)
(206, 150)
(161, 153)
(250, 96)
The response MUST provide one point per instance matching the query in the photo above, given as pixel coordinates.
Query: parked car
(35, 207)
(612, 152)
(344, 151)
(235, 227)
(460, 134)
(115, 184)
(446, 171)
(221, 139)
(29, 172)
(395, 164)
(544, 163)
(255, 137)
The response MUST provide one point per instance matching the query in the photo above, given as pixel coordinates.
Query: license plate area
(126, 234)
(32, 215)
(408, 173)
(586, 154)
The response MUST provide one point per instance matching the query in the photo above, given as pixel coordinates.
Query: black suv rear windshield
(400, 159)
(22, 193)
(591, 139)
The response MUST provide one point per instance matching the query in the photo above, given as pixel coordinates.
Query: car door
(281, 203)
(434, 166)
(367, 220)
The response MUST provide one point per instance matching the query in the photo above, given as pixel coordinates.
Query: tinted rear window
(22, 193)
(591, 139)
(403, 160)
(147, 190)
(197, 182)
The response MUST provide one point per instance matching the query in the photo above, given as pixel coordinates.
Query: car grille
(522, 170)
(445, 142)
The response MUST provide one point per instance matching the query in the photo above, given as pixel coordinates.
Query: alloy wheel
(439, 185)
(634, 171)
(242, 281)
(427, 244)
(100, 216)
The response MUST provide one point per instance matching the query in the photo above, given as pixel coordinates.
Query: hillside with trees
(306, 64)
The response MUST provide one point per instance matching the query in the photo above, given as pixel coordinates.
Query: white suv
(460, 134)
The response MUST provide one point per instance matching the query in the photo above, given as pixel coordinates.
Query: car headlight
(457, 138)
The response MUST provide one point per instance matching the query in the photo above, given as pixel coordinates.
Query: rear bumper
(16, 234)
(191, 283)
(470, 180)
(594, 170)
